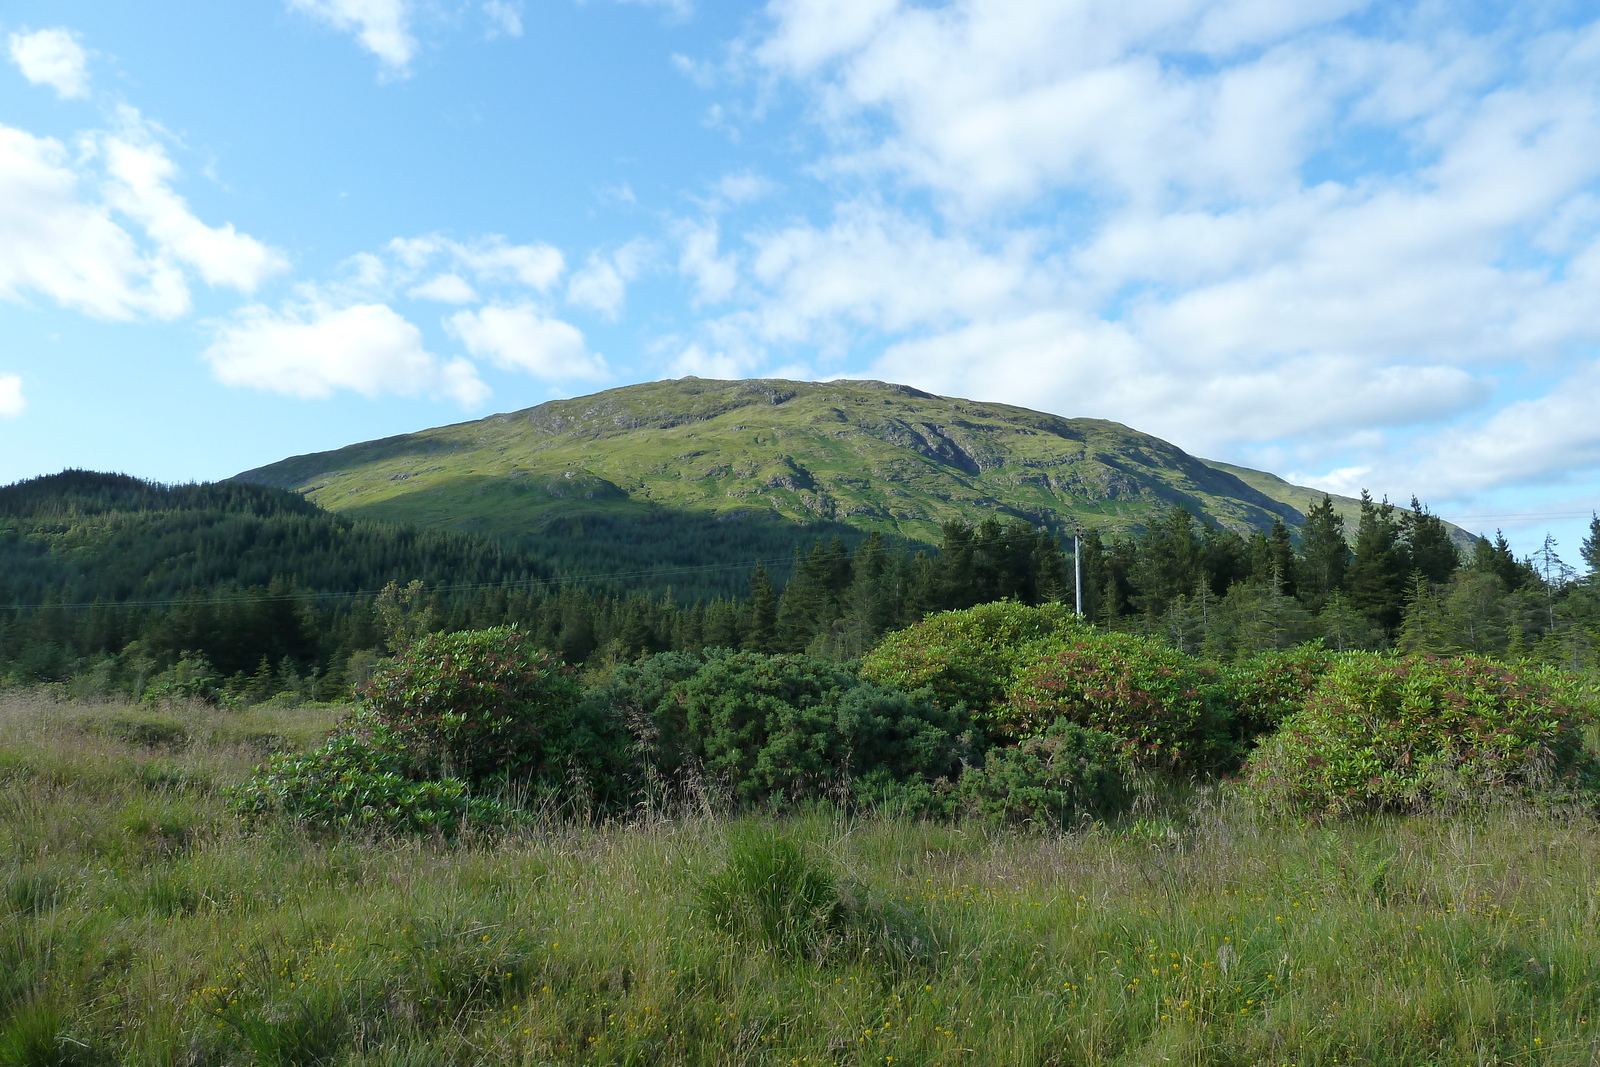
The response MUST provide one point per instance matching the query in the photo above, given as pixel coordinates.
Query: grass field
(141, 923)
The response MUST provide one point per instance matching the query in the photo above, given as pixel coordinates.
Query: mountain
(1301, 498)
(842, 455)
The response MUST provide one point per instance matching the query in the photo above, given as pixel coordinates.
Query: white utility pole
(1077, 564)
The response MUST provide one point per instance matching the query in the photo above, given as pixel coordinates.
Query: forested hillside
(116, 584)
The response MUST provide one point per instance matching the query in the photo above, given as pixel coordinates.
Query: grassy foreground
(141, 924)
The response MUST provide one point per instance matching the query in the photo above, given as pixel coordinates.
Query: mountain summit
(864, 454)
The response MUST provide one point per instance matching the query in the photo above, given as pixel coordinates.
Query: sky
(1353, 243)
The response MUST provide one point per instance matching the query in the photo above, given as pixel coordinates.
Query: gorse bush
(1384, 733)
(1057, 778)
(450, 726)
(1163, 707)
(969, 657)
(782, 728)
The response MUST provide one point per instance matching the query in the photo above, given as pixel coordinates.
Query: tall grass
(141, 924)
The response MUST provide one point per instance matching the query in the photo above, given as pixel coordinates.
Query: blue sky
(1357, 244)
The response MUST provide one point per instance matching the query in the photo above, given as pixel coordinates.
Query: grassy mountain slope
(862, 454)
(1302, 498)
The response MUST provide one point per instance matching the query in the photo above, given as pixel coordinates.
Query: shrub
(361, 782)
(969, 657)
(786, 727)
(645, 697)
(1267, 688)
(485, 704)
(1163, 707)
(1052, 779)
(1411, 734)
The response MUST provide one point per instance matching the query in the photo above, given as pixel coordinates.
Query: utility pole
(1077, 564)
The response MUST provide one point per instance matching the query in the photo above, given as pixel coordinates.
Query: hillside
(82, 536)
(1302, 497)
(861, 454)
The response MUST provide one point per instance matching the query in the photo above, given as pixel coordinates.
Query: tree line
(244, 592)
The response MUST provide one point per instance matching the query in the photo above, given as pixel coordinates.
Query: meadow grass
(141, 923)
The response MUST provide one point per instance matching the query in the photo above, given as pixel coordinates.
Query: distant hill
(858, 455)
(1302, 498)
(82, 536)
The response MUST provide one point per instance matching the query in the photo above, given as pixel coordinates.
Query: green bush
(1052, 779)
(1268, 688)
(1164, 708)
(487, 704)
(355, 781)
(777, 729)
(783, 728)
(645, 697)
(1384, 733)
(969, 657)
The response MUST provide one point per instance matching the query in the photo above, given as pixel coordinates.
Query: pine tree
(1282, 559)
(1495, 558)
(1591, 550)
(1380, 570)
(1325, 555)
(1424, 627)
(762, 612)
(1428, 543)
(1167, 562)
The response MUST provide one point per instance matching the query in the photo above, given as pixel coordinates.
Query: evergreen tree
(1428, 543)
(1380, 571)
(1495, 558)
(1424, 627)
(762, 611)
(1591, 550)
(1282, 559)
(1167, 563)
(1325, 555)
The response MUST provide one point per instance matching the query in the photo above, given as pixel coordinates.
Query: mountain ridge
(865, 454)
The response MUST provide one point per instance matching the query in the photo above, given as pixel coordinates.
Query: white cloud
(504, 18)
(58, 243)
(382, 27)
(696, 362)
(738, 188)
(714, 275)
(313, 350)
(12, 402)
(602, 284)
(1550, 438)
(139, 186)
(1233, 222)
(65, 233)
(491, 259)
(1078, 365)
(678, 9)
(446, 289)
(52, 57)
(520, 338)
(887, 271)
